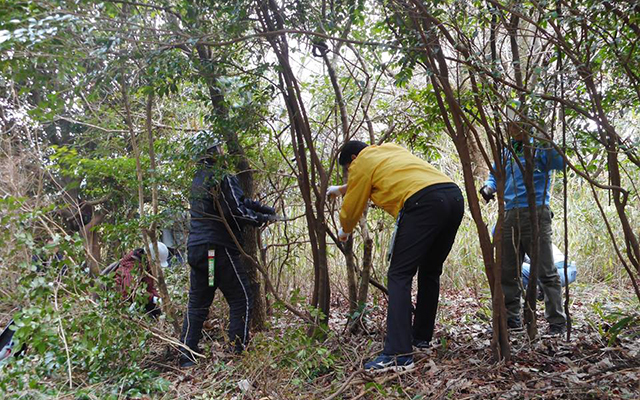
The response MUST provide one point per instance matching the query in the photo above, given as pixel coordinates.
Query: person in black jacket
(216, 197)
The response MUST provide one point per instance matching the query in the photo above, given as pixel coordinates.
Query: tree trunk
(426, 25)
(344, 124)
(312, 177)
(352, 285)
(357, 324)
(245, 177)
(93, 244)
(167, 305)
(480, 169)
(527, 172)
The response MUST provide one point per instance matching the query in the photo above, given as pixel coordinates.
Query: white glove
(333, 192)
(342, 236)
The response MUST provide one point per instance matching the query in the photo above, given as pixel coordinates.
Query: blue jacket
(515, 193)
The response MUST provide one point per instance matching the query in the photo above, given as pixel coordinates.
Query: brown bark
(367, 240)
(352, 284)
(149, 235)
(565, 220)
(146, 234)
(93, 244)
(527, 172)
(348, 247)
(312, 177)
(245, 177)
(434, 59)
(480, 168)
(356, 324)
(367, 263)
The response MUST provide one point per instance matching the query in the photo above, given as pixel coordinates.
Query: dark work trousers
(426, 231)
(232, 279)
(516, 242)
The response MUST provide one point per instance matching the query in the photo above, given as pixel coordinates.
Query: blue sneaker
(385, 362)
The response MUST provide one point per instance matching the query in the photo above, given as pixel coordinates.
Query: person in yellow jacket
(428, 208)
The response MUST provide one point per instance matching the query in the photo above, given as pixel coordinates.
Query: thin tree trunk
(348, 247)
(529, 155)
(156, 269)
(437, 64)
(93, 244)
(310, 170)
(150, 235)
(246, 179)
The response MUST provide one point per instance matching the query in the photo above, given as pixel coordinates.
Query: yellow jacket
(388, 174)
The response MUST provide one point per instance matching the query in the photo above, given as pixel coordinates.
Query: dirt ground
(594, 363)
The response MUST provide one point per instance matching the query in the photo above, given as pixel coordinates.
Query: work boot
(557, 329)
(186, 362)
(233, 349)
(514, 324)
(186, 359)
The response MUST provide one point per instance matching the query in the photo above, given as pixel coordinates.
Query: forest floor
(600, 361)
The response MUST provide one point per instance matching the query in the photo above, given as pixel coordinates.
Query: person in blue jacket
(517, 233)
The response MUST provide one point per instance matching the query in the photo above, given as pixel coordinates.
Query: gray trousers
(516, 242)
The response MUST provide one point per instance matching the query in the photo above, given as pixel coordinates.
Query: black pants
(427, 228)
(232, 279)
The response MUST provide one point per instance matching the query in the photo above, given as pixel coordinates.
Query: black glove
(487, 193)
(268, 210)
(258, 207)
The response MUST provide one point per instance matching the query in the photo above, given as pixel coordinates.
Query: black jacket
(206, 224)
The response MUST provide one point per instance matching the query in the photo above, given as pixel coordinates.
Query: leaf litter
(458, 365)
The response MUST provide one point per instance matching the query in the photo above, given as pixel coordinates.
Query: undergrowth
(78, 336)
